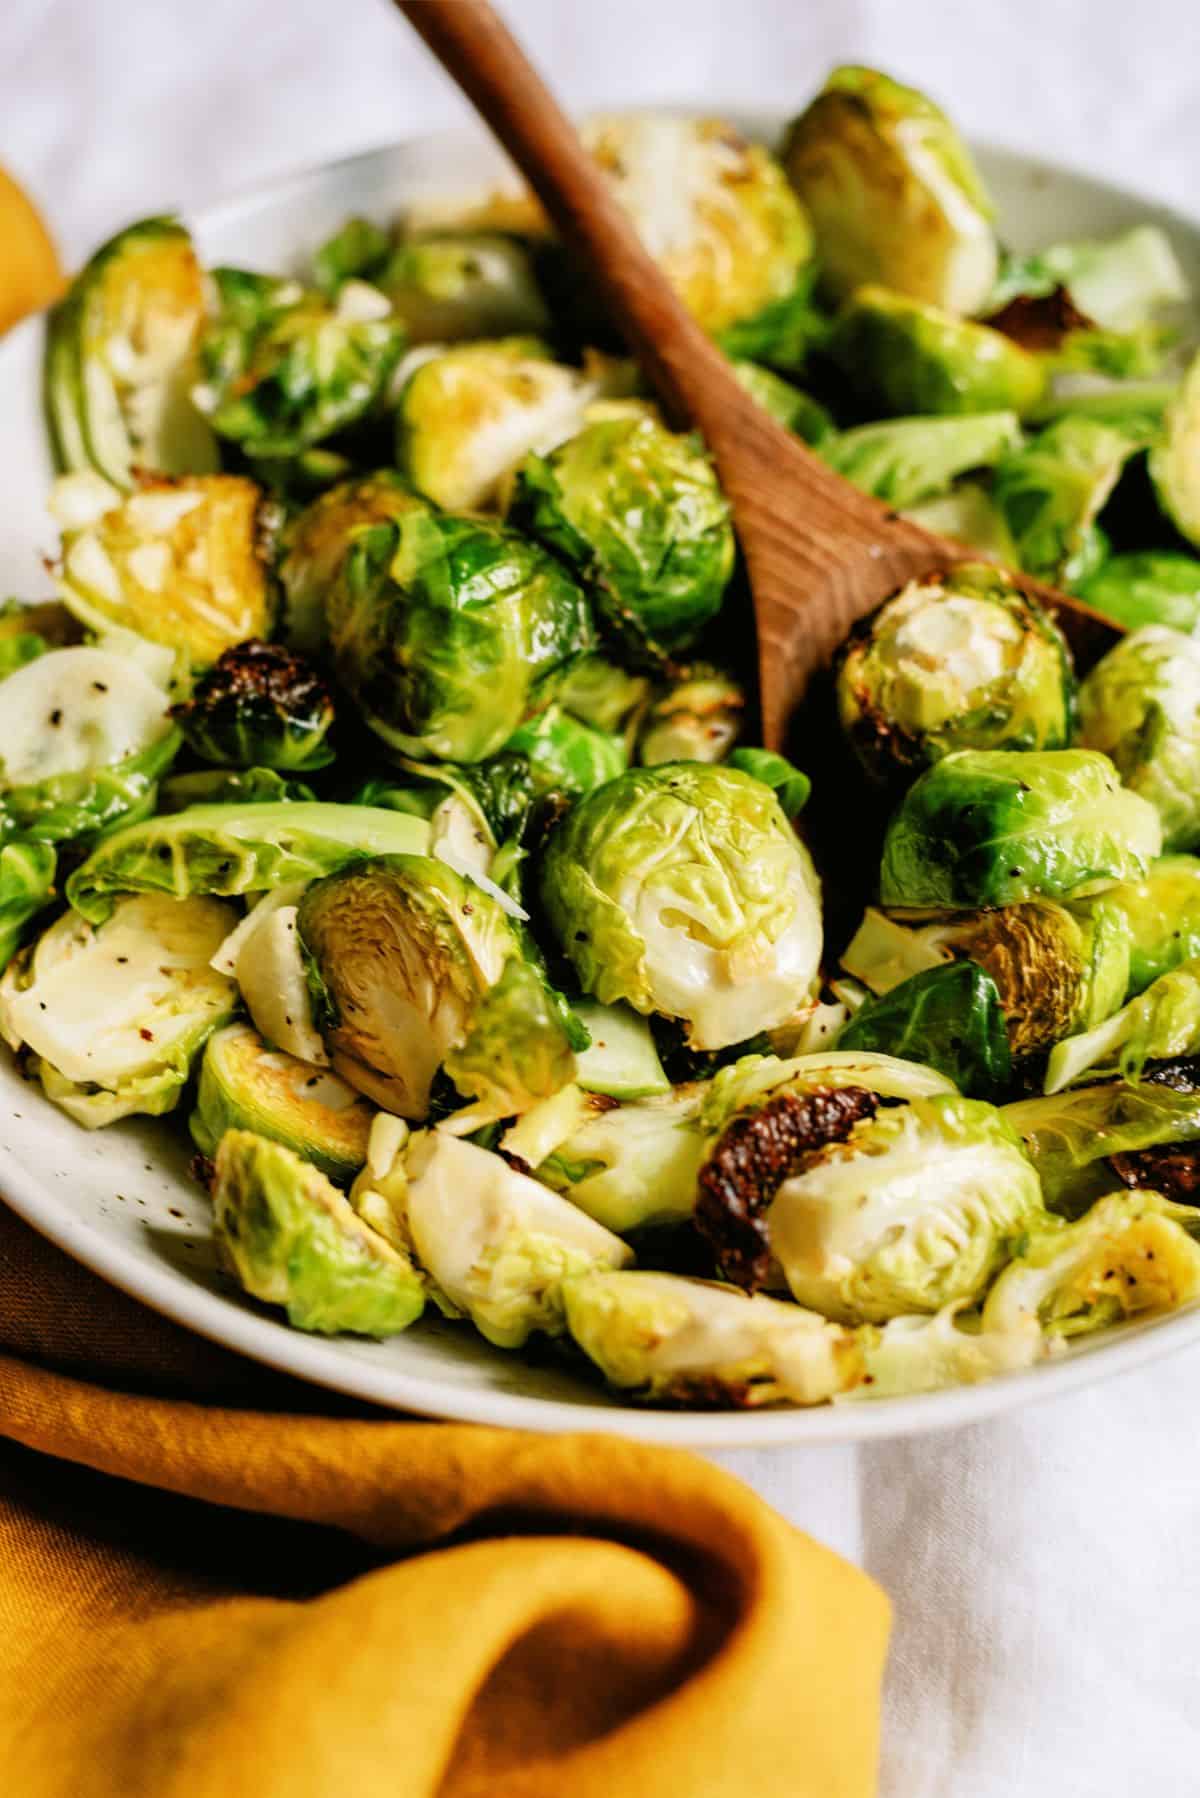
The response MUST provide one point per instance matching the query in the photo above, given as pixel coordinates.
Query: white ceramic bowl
(120, 1200)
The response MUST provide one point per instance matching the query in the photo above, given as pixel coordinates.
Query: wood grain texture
(819, 554)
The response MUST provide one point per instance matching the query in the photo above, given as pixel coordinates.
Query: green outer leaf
(517, 1051)
(358, 250)
(1161, 1024)
(1162, 915)
(906, 460)
(950, 1018)
(1052, 491)
(233, 786)
(790, 784)
(26, 885)
(228, 849)
(784, 334)
(74, 805)
(565, 754)
(1152, 586)
(1070, 1135)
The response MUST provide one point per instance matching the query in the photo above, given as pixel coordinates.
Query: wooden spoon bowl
(819, 554)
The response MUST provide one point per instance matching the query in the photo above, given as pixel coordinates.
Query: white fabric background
(1045, 1569)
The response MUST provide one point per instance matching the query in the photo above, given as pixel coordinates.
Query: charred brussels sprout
(955, 661)
(1153, 586)
(717, 215)
(260, 705)
(113, 1016)
(900, 356)
(445, 629)
(26, 885)
(1175, 463)
(318, 540)
(1052, 491)
(180, 562)
(246, 1084)
(696, 718)
(1140, 705)
(467, 417)
(907, 460)
(407, 963)
(120, 359)
(637, 512)
(893, 192)
(293, 1240)
(1131, 1254)
(990, 827)
(1119, 283)
(86, 738)
(683, 890)
(282, 369)
(668, 1340)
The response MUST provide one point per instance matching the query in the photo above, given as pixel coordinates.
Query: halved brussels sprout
(756, 1078)
(566, 755)
(234, 850)
(960, 660)
(316, 543)
(1152, 586)
(294, 1240)
(245, 1084)
(409, 963)
(948, 1017)
(869, 1211)
(1082, 1139)
(789, 406)
(683, 890)
(445, 630)
(263, 955)
(1056, 969)
(990, 827)
(120, 359)
(1052, 491)
(179, 562)
(113, 1015)
(86, 738)
(714, 211)
(461, 285)
(893, 192)
(900, 357)
(667, 1340)
(467, 416)
(259, 705)
(1129, 1255)
(283, 369)
(636, 511)
(498, 1244)
(696, 718)
(907, 460)
(1175, 463)
(230, 786)
(1161, 1024)
(1140, 705)
(926, 1354)
(633, 1165)
(26, 885)
(1162, 916)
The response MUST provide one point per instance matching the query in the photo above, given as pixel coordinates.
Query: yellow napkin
(29, 272)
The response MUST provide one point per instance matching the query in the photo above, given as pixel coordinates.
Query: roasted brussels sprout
(1160, 1024)
(86, 738)
(696, 718)
(955, 661)
(294, 1240)
(1140, 705)
(950, 1018)
(969, 515)
(717, 215)
(112, 1017)
(466, 418)
(407, 961)
(899, 356)
(925, 1354)
(787, 405)
(1162, 917)
(235, 850)
(1137, 1132)
(1175, 462)
(1052, 491)
(282, 369)
(461, 285)
(26, 885)
(179, 562)
(498, 1244)
(870, 1212)
(1153, 586)
(246, 1084)
(604, 695)
(668, 1340)
(633, 1165)
(893, 192)
(316, 543)
(445, 630)
(683, 890)
(907, 460)
(566, 755)
(991, 827)
(259, 705)
(1129, 1255)
(120, 359)
(1056, 969)
(230, 786)
(636, 511)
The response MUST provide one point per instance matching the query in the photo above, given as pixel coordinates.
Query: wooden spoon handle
(474, 46)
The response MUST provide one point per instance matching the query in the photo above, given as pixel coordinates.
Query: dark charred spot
(1172, 1168)
(56, 715)
(203, 1171)
(754, 1155)
(1040, 322)
(255, 675)
(147, 1036)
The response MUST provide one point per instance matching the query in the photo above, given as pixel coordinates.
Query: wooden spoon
(819, 553)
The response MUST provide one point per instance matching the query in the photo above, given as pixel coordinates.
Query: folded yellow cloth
(202, 1598)
(29, 272)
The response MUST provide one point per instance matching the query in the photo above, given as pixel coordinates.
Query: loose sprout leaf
(1161, 1024)
(906, 460)
(788, 405)
(1161, 915)
(1154, 586)
(790, 784)
(949, 1017)
(26, 885)
(1075, 1138)
(1053, 489)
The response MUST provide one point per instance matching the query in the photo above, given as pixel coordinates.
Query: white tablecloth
(1045, 1569)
